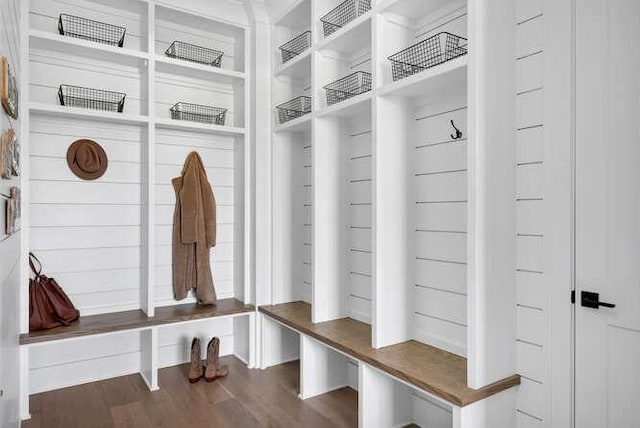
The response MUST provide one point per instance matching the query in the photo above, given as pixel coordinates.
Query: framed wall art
(8, 89)
(9, 159)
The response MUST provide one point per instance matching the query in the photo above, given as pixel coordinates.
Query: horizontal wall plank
(531, 361)
(444, 217)
(530, 181)
(441, 304)
(530, 145)
(442, 275)
(529, 109)
(531, 325)
(527, 9)
(441, 334)
(529, 37)
(450, 156)
(442, 246)
(532, 398)
(445, 187)
(532, 290)
(529, 72)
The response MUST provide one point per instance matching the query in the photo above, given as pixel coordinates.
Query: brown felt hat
(87, 159)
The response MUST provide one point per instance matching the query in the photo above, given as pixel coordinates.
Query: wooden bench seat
(137, 320)
(427, 368)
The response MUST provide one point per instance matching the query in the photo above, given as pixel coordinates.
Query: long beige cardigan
(194, 232)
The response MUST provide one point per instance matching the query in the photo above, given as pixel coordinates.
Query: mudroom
(319, 213)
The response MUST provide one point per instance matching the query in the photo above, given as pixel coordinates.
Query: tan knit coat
(194, 232)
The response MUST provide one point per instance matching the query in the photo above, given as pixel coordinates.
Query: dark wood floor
(246, 398)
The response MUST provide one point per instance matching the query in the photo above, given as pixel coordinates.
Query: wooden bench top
(430, 369)
(132, 320)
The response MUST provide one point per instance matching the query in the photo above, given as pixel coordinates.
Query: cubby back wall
(439, 186)
(9, 245)
(218, 155)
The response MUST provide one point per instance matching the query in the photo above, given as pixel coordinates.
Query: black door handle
(592, 300)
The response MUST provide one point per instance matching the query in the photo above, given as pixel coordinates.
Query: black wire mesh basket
(88, 29)
(90, 98)
(295, 46)
(344, 13)
(428, 53)
(198, 113)
(294, 109)
(347, 87)
(194, 53)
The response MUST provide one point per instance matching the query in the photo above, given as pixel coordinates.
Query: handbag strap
(32, 260)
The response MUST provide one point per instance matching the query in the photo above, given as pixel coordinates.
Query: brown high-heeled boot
(213, 370)
(195, 369)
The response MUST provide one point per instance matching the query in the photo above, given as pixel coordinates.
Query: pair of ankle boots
(212, 369)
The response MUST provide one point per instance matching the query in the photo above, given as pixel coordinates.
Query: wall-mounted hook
(458, 133)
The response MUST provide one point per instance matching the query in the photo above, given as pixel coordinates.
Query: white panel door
(608, 213)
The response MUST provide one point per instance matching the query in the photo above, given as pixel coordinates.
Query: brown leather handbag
(49, 305)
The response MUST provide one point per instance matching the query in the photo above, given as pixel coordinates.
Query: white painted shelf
(348, 108)
(81, 113)
(301, 124)
(439, 80)
(352, 38)
(296, 68)
(185, 125)
(414, 9)
(56, 42)
(166, 64)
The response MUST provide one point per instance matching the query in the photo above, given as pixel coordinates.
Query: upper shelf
(81, 113)
(348, 108)
(300, 124)
(417, 9)
(430, 369)
(437, 81)
(136, 320)
(185, 125)
(298, 67)
(198, 71)
(355, 36)
(56, 42)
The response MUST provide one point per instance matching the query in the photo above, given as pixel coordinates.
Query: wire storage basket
(428, 53)
(88, 29)
(294, 109)
(344, 13)
(198, 113)
(90, 98)
(295, 46)
(194, 53)
(347, 87)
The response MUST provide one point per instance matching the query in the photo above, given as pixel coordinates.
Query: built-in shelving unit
(108, 242)
(386, 219)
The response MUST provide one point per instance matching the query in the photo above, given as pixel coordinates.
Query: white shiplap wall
(9, 246)
(90, 235)
(306, 244)
(218, 156)
(360, 225)
(440, 197)
(532, 308)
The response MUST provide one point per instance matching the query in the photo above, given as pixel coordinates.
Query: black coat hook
(458, 133)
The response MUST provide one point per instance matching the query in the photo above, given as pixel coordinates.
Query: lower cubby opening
(74, 357)
(323, 369)
(385, 401)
